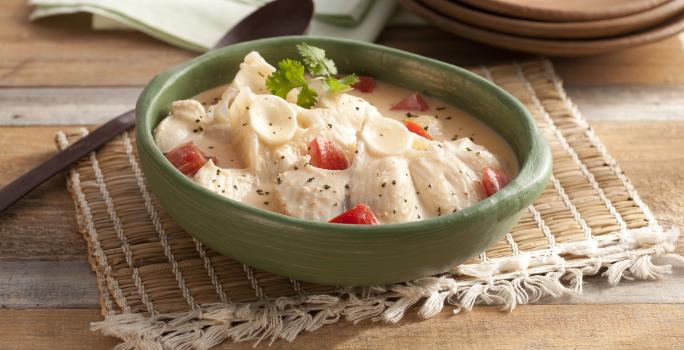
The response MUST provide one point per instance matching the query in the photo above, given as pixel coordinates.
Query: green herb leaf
(315, 60)
(289, 75)
(338, 85)
(307, 97)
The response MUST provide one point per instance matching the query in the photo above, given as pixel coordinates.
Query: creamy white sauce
(258, 145)
(444, 121)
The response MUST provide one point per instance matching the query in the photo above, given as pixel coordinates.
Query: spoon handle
(36, 176)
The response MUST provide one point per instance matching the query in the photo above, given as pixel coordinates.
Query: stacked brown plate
(556, 27)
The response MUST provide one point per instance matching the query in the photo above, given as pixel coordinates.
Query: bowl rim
(532, 173)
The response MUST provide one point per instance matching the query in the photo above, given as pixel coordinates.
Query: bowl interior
(461, 88)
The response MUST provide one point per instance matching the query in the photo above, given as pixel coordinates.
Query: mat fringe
(525, 281)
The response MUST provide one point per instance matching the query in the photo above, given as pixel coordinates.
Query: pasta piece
(253, 73)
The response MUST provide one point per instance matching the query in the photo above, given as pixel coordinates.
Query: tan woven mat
(161, 288)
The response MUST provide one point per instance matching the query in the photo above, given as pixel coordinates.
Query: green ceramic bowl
(344, 254)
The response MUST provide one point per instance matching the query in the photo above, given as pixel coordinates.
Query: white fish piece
(170, 133)
(290, 155)
(328, 124)
(188, 110)
(311, 193)
(386, 137)
(185, 122)
(232, 183)
(352, 111)
(253, 73)
(473, 155)
(443, 182)
(272, 118)
(383, 184)
(435, 193)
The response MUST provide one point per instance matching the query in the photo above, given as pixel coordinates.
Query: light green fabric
(198, 24)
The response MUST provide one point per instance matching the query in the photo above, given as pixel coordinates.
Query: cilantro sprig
(290, 75)
(315, 60)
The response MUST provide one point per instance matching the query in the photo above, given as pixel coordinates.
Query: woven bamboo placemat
(161, 288)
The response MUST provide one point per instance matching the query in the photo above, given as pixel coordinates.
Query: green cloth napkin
(198, 24)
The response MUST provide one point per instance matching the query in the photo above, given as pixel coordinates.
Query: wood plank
(530, 327)
(629, 103)
(654, 64)
(597, 291)
(65, 51)
(42, 225)
(64, 106)
(48, 284)
(71, 284)
(95, 105)
(51, 329)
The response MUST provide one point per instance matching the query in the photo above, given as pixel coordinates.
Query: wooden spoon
(277, 18)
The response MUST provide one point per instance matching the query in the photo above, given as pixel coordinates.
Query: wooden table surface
(57, 74)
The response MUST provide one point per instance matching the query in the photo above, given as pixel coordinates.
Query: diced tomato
(326, 155)
(187, 158)
(493, 180)
(412, 102)
(416, 129)
(365, 84)
(358, 215)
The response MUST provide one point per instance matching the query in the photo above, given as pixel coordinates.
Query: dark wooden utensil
(277, 18)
